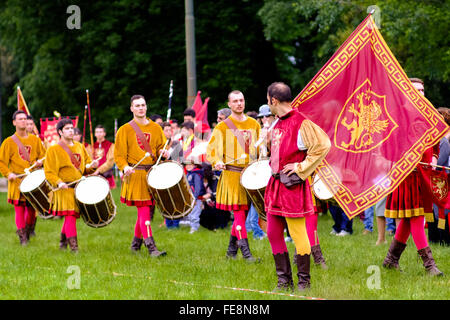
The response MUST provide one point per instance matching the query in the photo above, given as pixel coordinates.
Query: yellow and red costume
(105, 152)
(59, 168)
(128, 151)
(13, 161)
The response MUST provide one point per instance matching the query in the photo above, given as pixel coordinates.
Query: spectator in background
(195, 179)
(343, 226)
(156, 118)
(222, 114)
(77, 135)
(189, 115)
(382, 222)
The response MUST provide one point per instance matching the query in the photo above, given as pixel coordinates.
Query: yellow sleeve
(109, 160)
(5, 156)
(51, 166)
(317, 143)
(87, 159)
(214, 150)
(120, 149)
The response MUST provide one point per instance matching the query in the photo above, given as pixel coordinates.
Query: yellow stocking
(297, 230)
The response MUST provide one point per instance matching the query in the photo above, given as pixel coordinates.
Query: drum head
(32, 181)
(92, 190)
(165, 175)
(256, 175)
(320, 189)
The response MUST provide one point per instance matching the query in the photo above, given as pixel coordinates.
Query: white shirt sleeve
(300, 144)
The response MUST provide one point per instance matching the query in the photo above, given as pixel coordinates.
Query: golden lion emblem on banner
(439, 186)
(364, 122)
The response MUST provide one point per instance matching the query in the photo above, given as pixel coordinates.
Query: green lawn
(196, 268)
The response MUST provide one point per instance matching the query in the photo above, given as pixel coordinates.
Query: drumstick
(90, 164)
(147, 223)
(139, 162)
(238, 228)
(434, 165)
(164, 148)
(243, 156)
(70, 183)
(27, 170)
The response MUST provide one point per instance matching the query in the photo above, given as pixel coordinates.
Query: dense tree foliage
(125, 47)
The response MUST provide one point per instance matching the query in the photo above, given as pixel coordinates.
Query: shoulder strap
(22, 148)
(236, 132)
(74, 160)
(141, 137)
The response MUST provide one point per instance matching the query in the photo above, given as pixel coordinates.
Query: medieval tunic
(407, 199)
(128, 151)
(105, 152)
(224, 147)
(58, 167)
(12, 161)
(294, 140)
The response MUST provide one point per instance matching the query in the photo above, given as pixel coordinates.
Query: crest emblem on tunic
(99, 153)
(28, 148)
(439, 187)
(276, 137)
(147, 137)
(364, 123)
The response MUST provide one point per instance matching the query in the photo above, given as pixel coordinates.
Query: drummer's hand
(12, 176)
(63, 185)
(165, 153)
(219, 166)
(94, 164)
(96, 172)
(289, 168)
(39, 163)
(128, 170)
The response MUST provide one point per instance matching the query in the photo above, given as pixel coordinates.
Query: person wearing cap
(267, 118)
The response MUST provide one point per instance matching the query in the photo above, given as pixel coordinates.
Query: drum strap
(22, 148)
(142, 138)
(237, 134)
(73, 159)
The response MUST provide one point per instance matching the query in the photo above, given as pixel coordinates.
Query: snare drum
(254, 179)
(94, 199)
(169, 187)
(322, 192)
(35, 189)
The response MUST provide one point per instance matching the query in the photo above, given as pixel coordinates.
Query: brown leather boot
(232, 248)
(22, 233)
(393, 256)
(245, 249)
(63, 242)
(136, 244)
(151, 246)
(318, 256)
(32, 228)
(428, 262)
(73, 243)
(303, 266)
(284, 272)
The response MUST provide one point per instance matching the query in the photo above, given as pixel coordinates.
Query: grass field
(195, 267)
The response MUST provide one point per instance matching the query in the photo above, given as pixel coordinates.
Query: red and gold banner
(22, 105)
(378, 123)
(48, 129)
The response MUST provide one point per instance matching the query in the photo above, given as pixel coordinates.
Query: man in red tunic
(104, 152)
(298, 147)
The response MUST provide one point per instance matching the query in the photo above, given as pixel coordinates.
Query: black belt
(233, 168)
(276, 175)
(145, 167)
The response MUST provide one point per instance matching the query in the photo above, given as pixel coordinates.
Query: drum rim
(20, 186)
(87, 177)
(314, 189)
(166, 161)
(249, 165)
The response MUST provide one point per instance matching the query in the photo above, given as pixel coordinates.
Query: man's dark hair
(174, 121)
(100, 126)
(153, 117)
(188, 125)
(62, 123)
(135, 97)
(29, 117)
(77, 131)
(165, 124)
(189, 112)
(279, 91)
(18, 112)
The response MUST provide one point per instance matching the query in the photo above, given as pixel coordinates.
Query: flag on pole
(201, 114)
(378, 123)
(22, 105)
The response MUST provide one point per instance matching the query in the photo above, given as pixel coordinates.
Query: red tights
(415, 227)
(239, 220)
(140, 229)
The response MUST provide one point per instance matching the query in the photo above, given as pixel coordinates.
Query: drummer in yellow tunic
(65, 163)
(134, 140)
(17, 153)
(234, 139)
